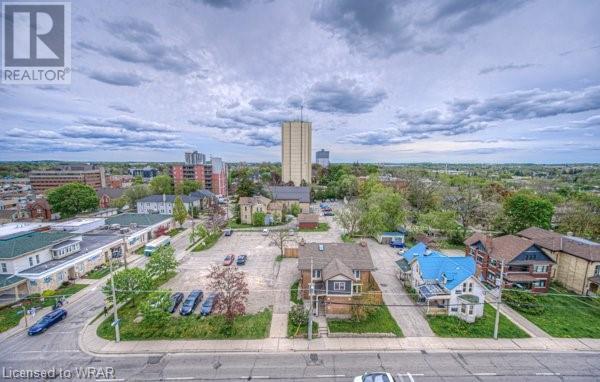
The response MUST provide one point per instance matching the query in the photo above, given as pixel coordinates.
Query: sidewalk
(90, 343)
(520, 321)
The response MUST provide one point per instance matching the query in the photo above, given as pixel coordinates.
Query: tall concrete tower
(296, 148)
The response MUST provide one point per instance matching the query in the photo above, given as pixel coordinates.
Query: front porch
(12, 289)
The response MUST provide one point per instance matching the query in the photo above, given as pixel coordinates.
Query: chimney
(164, 198)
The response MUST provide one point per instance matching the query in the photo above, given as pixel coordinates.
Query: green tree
(73, 198)
(161, 185)
(119, 202)
(295, 209)
(198, 233)
(524, 210)
(258, 219)
(349, 217)
(137, 180)
(154, 309)
(246, 187)
(136, 192)
(130, 284)
(179, 211)
(162, 262)
(186, 187)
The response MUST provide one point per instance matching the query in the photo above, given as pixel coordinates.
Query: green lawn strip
(381, 321)
(10, 316)
(175, 231)
(294, 296)
(302, 331)
(250, 326)
(101, 272)
(569, 316)
(322, 227)
(234, 224)
(208, 242)
(483, 327)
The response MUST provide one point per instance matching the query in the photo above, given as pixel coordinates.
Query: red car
(228, 259)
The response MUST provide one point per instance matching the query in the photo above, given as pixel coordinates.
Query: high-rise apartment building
(323, 158)
(296, 146)
(42, 180)
(194, 158)
(211, 175)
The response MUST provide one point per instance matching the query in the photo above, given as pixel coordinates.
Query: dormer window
(356, 274)
(316, 273)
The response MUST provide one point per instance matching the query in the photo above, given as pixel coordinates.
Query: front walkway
(409, 317)
(519, 320)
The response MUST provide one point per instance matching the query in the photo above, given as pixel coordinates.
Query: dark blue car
(47, 321)
(191, 302)
(397, 244)
(208, 304)
(241, 259)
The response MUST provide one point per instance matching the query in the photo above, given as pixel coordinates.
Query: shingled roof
(21, 243)
(353, 256)
(572, 245)
(253, 200)
(301, 194)
(505, 247)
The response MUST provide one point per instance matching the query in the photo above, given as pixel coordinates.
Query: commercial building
(146, 173)
(211, 175)
(296, 149)
(42, 180)
(36, 257)
(323, 158)
(195, 158)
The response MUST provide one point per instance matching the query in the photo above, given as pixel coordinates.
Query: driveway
(410, 318)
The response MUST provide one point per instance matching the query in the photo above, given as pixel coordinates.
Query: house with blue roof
(445, 284)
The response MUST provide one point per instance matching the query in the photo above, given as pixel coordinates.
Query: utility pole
(310, 307)
(498, 300)
(114, 298)
(124, 251)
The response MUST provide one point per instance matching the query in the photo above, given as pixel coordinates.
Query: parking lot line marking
(546, 374)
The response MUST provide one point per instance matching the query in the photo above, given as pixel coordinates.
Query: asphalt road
(58, 349)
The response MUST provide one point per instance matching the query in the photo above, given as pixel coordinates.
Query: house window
(470, 309)
(31, 261)
(463, 308)
(472, 251)
(480, 259)
(470, 287)
(464, 287)
(356, 288)
(339, 285)
(540, 269)
(491, 277)
(493, 262)
(356, 273)
(4, 268)
(597, 270)
(316, 273)
(539, 283)
(37, 259)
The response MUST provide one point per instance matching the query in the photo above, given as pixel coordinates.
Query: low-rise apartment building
(526, 265)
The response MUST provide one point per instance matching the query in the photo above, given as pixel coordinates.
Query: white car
(374, 377)
(265, 232)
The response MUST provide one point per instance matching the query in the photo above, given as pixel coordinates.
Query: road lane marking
(484, 374)
(179, 378)
(546, 374)
(331, 376)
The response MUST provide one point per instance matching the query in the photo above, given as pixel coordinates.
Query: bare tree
(232, 289)
(279, 238)
(215, 218)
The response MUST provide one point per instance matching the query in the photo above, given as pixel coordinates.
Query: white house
(447, 284)
(163, 204)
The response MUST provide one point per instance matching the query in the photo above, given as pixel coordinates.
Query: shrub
(48, 293)
(522, 301)
(298, 315)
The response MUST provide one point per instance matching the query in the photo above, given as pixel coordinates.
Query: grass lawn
(233, 224)
(381, 321)
(449, 326)
(10, 317)
(208, 242)
(569, 316)
(322, 227)
(101, 272)
(250, 326)
(347, 238)
(302, 331)
(294, 297)
(175, 231)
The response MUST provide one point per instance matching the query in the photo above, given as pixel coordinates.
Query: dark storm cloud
(117, 78)
(345, 96)
(467, 116)
(381, 28)
(145, 47)
(504, 68)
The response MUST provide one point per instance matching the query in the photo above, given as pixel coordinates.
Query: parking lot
(268, 281)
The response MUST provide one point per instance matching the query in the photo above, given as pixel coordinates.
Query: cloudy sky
(382, 81)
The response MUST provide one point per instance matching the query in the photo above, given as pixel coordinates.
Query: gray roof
(203, 194)
(10, 280)
(301, 194)
(354, 256)
(403, 264)
(336, 267)
(112, 193)
(168, 198)
(139, 219)
(21, 243)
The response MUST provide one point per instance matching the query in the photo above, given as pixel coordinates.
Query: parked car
(208, 304)
(241, 259)
(191, 302)
(375, 377)
(328, 213)
(265, 232)
(228, 259)
(227, 231)
(47, 321)
(401, 251)
(396, 244)
(176, 299)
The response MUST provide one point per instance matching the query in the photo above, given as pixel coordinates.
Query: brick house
(526, 265)
(40, 209)
(106, 195)
(577, 260)
(340, 271)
